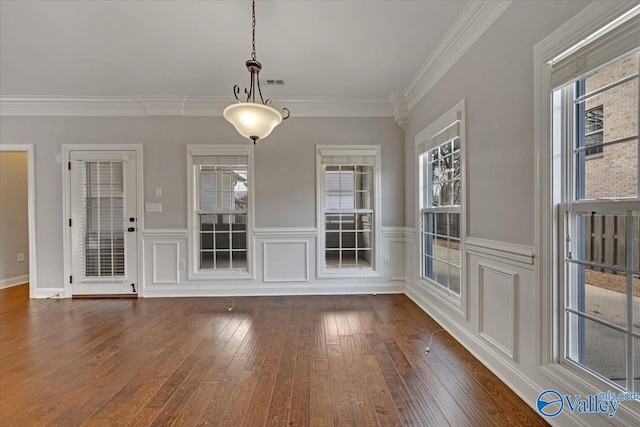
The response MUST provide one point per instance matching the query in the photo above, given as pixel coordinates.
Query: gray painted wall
(14, 220)
(284, 167)
(495, 76)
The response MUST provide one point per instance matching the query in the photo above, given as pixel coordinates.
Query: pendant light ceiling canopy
(253, 120)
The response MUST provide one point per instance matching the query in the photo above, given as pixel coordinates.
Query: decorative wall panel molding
(522, 256)
(165, 262)
(286, 261)
(497, 308)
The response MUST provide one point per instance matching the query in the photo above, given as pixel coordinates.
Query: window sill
(220, 275)
(451, 300)
(347, 273)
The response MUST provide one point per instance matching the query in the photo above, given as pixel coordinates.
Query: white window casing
(348, 193)
(441, 269)
(596, 37)
(220, 216)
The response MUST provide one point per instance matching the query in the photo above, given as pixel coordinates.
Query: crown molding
(207, 106)
(70, 106)
(475, 19)
(399, 109)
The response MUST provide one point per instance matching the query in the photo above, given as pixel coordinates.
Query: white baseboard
(14, 281)
(274, 289)
(44, 293)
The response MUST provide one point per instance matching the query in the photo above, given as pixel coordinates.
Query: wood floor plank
(270, 361)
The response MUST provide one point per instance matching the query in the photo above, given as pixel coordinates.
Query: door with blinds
(103, 223)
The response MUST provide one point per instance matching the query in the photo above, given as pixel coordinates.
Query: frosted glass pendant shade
(252, 120)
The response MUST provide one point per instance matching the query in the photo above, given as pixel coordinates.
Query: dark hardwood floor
(318, 360)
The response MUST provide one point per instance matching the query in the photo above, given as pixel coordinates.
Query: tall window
(220, 211)
(347, 197)
(440, 202)
(600, 226)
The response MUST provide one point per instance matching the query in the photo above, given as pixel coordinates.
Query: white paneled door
(103, 223)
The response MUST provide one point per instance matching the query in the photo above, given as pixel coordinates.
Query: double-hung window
(595, 111)
(348, 209)
(220, 214)
(440, 183)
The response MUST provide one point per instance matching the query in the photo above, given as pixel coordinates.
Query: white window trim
(458, 304)
(347, 150)
(193, 272)
(549, 307)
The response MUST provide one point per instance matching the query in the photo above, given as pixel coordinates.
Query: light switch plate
(158, 192)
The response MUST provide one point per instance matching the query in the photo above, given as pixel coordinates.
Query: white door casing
(103, 220)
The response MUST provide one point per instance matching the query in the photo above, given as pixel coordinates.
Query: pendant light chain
(253, 27)
(253, 120)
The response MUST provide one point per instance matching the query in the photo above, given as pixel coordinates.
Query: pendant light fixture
(253, 120)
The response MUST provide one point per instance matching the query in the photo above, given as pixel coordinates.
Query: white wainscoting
(284, 260)
(498, 289)
(499, 327)
(165, 262)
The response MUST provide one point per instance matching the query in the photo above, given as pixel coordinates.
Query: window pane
(597, 347)
(442, 273)
(347, 201)
(609, 116)
(599, 293)
(613, 175)
(332, 222)
(363, 200)
(364, 222)
(428, 268)
(364, 240)
(455, 280)
(223, 259)
(348, 258)
(332, 240)
(332, 258)
(442, 224)
(332, 201)
(239, 259)
(240, 200)
(624, 67)
(206, 260)
(348, 221)
(602, 239)
(222, 241)
(239, 240)
(429, 223)
(454, 225)
(364, 179)
(364, 258)
(223, 224)
(348, 240)
(454, 252)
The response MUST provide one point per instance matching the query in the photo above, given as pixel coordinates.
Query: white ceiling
(329, 49)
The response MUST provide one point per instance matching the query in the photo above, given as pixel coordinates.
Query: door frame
(31, 210)
(66, 206)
